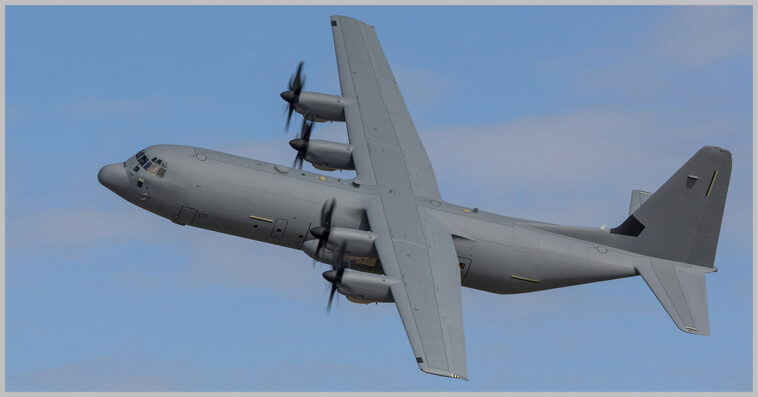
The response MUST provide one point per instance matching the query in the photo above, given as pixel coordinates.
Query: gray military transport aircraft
(390, 237)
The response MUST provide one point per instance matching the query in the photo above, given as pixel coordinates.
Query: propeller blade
(338, 264)
(289, 116)
(305, 131)
(301, 143)
(327, 211)
(297, 84)
(331, 297)
(292, 95)
(322, 232)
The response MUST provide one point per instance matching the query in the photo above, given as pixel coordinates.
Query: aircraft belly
(537, 260)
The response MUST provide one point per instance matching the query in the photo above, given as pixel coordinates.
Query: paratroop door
(186, 216)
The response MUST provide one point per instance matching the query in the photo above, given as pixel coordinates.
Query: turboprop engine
(316, 106)
(358, 243)
(353, 242)
(324, 155)
(363, 287)
(313, 106)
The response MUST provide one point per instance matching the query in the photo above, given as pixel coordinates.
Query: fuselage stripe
(524, 278)
(261, 219)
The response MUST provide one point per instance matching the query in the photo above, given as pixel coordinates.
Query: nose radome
(113, 176)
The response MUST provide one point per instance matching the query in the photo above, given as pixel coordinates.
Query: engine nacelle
(326, 155)
(364, 264)
(363, 286)
(357, 242)
(315, 106)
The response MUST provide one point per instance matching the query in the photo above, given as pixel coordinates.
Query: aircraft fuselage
(279, 205)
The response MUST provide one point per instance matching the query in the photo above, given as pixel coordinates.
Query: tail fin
(682, 219)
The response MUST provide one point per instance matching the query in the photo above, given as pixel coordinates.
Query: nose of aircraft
(113, 176)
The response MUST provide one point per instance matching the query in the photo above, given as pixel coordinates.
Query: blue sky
(549, 113)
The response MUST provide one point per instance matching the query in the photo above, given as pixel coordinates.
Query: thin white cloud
(700, 36)
(578, 167)
(420, 87)
(685, 42)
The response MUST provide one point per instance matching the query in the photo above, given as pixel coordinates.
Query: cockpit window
(158, 167)
(141, 157)
(154, 166)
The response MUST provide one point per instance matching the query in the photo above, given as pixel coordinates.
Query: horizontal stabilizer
(680, 288)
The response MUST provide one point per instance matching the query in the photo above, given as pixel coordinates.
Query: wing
(388, 150)
(416, 248)
(412, 245)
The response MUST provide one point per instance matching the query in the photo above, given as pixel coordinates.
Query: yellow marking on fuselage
(261, 219)
(524, 278)
(715, 173)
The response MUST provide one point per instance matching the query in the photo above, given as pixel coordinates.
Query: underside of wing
(414, 247)
(378, 122)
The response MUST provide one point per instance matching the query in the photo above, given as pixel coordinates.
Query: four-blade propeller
(322, 232)
(335, 275)
(292, 95)
(301, 144)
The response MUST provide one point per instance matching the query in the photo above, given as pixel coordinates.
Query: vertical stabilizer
(682, 219)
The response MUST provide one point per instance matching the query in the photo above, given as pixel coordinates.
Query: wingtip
(695, 331)
(447, 374)
(334, 19)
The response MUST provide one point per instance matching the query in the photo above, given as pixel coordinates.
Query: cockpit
(154, 166)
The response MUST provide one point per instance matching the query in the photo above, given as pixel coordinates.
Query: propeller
(335, 276)
(301, 144)
(322, 232)
(292, 95)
